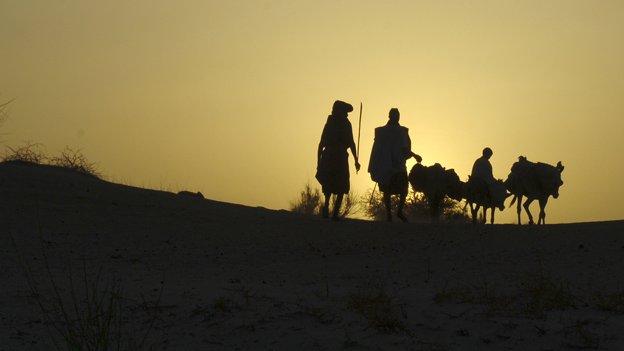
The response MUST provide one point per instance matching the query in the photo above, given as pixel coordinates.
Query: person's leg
(401, 206)
(337, 205)
(326, 205)
(388, 203)
(519, 208)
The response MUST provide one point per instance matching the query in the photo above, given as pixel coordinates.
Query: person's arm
(318, 154)
(321, 146)
(490, 172)
(408, 150)
(353, 149)
(416, 156)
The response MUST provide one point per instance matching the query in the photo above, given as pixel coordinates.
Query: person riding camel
(482, 170)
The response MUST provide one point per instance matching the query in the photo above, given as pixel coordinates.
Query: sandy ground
(241, 278)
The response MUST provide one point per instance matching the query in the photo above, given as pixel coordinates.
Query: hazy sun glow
(230, 97)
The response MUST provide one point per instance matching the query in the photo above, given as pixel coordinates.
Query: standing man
(391, 148)
(332, 169)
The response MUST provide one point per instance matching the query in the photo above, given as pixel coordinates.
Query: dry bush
(223, 304)
(536, 294)
(579, 336)
(310, 202)
(74, 159)
(416, 207)
(379, 309)
(350, 205)
(4, 110)
(459, 294)
(546, 294)
(86, 310)
(612, 302)
(29, 152)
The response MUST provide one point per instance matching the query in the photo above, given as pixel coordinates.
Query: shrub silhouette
(71, 159)
(75, 160)
(310, 202)
(416, 207)
(4, 107)
(29, 152)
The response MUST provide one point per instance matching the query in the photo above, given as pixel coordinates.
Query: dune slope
(234, 277)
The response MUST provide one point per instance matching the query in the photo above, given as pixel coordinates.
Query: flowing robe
(333, 166)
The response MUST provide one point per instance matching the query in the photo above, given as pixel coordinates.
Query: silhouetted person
(332, 169)
(482, 170)
(391, 148)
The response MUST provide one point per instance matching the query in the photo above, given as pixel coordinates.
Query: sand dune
(241, 278)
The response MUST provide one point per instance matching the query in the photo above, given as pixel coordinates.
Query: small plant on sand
(28, 152)
(613, 302)
(494, 302)
(74, 159)
(350, 205)
(86, 310)
(319, 314)
(545, 294)
(310, 202)
(379, 310)
(578, 336)
(416, 207)
(224, 305)
(461, 294)
(4, 107)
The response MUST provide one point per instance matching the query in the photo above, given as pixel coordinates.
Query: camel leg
(492, 215)
(519, 208)
(484, 215)
(542, 214)
(526, 205)
(474, 213)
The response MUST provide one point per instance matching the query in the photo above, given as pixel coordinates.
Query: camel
(435, 182)
(535, 181)
(477, 195)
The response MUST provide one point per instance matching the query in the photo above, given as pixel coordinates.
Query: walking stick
(359, 129)
(370, 201)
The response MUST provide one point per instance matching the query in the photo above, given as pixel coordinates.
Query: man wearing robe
(332, 169)
(391, 149)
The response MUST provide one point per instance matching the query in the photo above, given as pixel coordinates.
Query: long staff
(359, 129)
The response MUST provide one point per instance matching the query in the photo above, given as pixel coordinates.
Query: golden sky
(230, 97)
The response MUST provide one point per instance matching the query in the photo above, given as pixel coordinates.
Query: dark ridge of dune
(238, 277)
(53, 184)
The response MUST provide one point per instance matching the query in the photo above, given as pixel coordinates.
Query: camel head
(454, 186)
(499, 194)
(558, 181)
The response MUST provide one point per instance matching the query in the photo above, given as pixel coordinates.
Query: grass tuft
(70, 159)
(29, 153)
(75, 160)
(379, 310)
